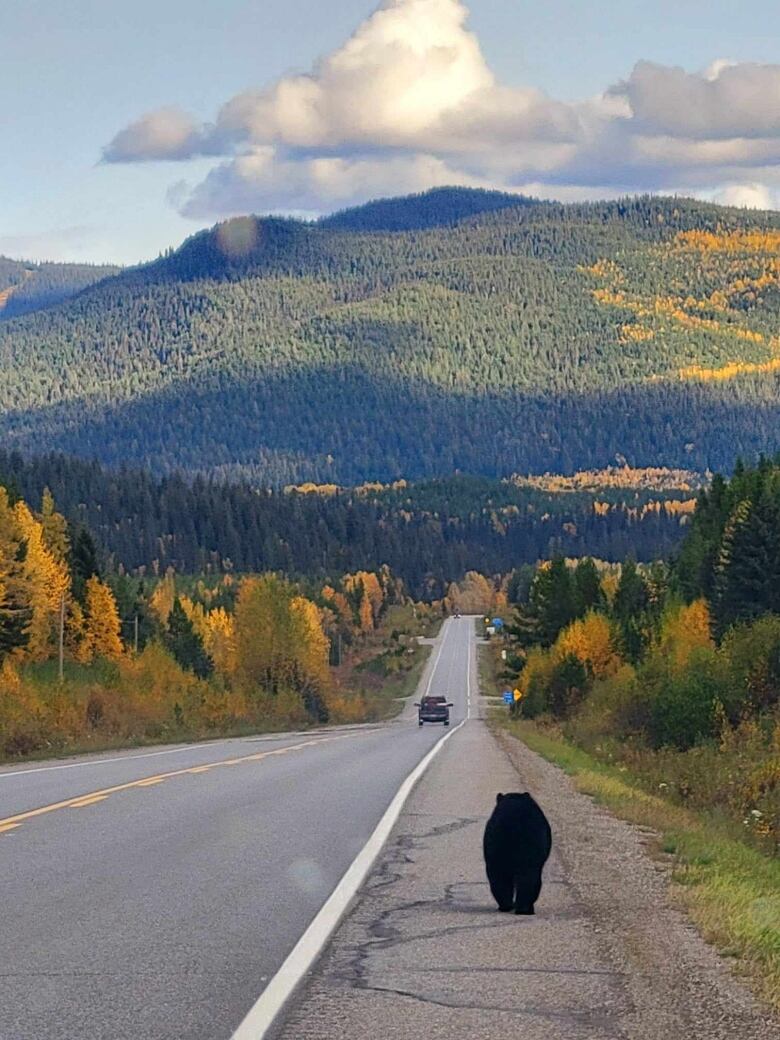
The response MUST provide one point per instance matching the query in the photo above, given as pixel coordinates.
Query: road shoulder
(424, 952)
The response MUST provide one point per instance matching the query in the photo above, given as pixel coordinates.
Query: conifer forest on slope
(455, 331)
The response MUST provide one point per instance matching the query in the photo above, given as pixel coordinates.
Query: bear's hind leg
(502, 888)
(527, 885)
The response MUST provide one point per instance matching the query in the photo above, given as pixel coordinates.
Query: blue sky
(546, 98)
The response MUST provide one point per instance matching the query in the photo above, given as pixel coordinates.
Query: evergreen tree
(632, 599)
(185, 644)
(83, 563)
(588, 593)
(15, 612)
(553, 603)
(748, 569)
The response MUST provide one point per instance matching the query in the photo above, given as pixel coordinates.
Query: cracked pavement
(424, 952)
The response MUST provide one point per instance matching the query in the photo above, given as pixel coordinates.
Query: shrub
(684, 710)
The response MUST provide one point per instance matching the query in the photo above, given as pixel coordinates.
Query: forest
(91, 659)
(429, 533)
(671, 670)
(409, 339)
(27, 287)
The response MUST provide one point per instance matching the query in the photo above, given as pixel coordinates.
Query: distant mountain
(26, 287)
(441, 207)
(492, 335)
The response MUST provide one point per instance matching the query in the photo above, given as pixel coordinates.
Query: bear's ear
(498, 798)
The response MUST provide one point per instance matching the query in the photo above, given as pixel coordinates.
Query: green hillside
(514, 338)
(26, 287)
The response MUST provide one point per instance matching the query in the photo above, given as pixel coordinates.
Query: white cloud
(750, 196)
(726, 100)
(167, 133)
(409, 102)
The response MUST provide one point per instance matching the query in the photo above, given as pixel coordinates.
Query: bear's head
(515, 795)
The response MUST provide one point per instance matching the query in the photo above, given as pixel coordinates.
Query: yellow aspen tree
(685, 629)
(48, 581)
(197, 616)
(476, 594)
(366, 614)
(590, 641)
(55, 528)
(264, 634)
(161, 600)
(76, 641)
(373, 591)
(220, 640)
(102, 626)
(313, 646)
(452, 600)
(338, 602)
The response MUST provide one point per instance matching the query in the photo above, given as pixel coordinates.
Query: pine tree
(629, 609)
(185, 644)
(748, 569)
(588, 593)
(15, 613)
(83, 563)
(552, 600)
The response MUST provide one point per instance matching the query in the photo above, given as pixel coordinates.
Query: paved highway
(152, 895)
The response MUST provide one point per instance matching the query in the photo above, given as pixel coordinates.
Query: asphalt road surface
(608, 956)
(150, 895)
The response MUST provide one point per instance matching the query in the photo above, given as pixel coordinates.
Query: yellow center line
(78, 801)
(92, 800)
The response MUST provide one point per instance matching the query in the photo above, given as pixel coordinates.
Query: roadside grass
(731, 891)
(389, 667)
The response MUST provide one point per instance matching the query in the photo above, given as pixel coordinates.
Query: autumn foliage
(170, 657)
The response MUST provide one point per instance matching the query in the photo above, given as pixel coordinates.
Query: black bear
(517, 843)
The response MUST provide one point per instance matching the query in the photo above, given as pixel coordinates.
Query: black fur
(517, 843)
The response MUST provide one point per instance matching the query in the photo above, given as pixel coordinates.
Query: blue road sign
(498, 622)
(508, 696)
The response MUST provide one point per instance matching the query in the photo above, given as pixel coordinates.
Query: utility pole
(135, 634)
(62, 637)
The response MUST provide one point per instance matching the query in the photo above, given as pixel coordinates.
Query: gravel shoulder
(608, 956)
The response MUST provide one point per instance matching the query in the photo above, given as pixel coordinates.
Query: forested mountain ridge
(26, 287)
(527, 337)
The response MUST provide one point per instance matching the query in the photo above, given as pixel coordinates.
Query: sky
(126, 127)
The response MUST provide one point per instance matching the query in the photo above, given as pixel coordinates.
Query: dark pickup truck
(433, 709)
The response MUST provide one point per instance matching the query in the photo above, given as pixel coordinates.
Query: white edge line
(468, 680)
(438, 656)
(308, 948)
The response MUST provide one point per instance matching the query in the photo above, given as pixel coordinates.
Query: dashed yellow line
(91, 800)
(84, 800)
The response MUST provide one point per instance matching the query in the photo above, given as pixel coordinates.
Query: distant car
(457, 613)
(433, 709)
